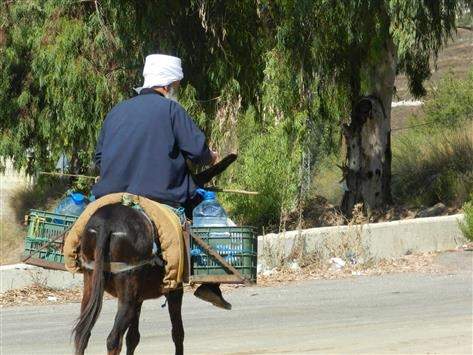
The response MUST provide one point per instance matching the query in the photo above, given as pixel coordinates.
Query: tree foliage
(358, 47)
(66, 63)
(344, 40)
(295, 67)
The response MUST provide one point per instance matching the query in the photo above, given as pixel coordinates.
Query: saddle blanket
(168, 227)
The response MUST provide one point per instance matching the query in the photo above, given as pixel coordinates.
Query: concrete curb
(22, 275)
(377, 240)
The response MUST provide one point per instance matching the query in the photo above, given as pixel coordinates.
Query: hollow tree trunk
(367, 170)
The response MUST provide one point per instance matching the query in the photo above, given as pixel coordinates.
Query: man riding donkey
(142, 153)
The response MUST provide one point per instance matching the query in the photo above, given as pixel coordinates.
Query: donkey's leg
(133, 333)
(175, 306)
(125, 314)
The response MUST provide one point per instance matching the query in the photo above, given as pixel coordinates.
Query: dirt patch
(400, 116)
(400, 212)
(316, 212)
(38, 295)
(419, 263)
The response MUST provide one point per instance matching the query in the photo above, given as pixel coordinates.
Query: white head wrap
(161, 70)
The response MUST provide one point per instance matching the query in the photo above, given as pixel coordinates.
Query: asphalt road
(398, 313)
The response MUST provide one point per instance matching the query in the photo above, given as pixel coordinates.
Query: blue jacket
(143, 147)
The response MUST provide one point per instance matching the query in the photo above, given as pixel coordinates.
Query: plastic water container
(73, 204)
(200, 256)
(229, 253)
(209, 213)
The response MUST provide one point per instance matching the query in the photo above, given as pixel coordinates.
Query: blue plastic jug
(73, 204)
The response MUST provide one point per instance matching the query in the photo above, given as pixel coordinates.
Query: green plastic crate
(42, 228)
(237, 245)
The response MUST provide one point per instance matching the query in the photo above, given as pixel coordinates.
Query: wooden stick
(207, 175)
(63, 174)
(53, 265)
(232, 191)
(210, 188)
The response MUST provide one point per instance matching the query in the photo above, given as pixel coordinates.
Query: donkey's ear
(206, 176)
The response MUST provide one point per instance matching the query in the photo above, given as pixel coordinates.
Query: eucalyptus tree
(360, 46)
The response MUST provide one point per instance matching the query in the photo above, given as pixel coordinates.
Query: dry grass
(421, 263)
(44, 195)
(348, 245)
(434, 166)
(11, 241)
(40, 196)
(38, 294)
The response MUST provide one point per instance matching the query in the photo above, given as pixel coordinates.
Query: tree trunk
(367, 170)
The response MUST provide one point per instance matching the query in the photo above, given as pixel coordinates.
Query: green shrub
(467, 225)
(451, 103)
(326, 182)
(434, 162)
(431, 166)
(267, 164)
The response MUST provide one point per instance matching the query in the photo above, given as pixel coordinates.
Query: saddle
(168, 229)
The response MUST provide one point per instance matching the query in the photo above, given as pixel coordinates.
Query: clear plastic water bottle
(199, 256)
(233, 254)
(209, 213)
(226, 251)
(229, 254)
(73, 204)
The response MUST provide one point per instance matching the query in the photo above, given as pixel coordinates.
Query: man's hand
(215, 157)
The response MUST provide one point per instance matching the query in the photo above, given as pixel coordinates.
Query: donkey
(116, 233)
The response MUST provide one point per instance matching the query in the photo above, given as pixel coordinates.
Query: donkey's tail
(90, 312)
